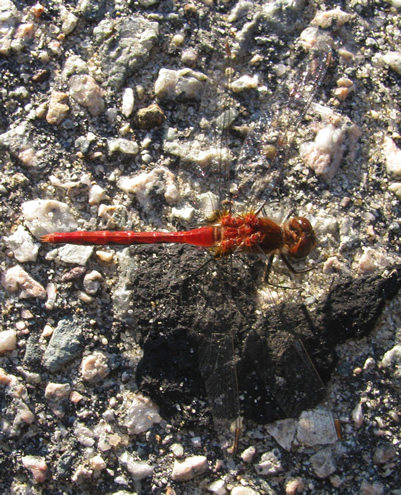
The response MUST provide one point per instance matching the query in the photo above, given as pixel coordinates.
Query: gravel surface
(106, 122)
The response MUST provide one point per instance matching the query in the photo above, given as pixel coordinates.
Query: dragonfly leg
(291, 268)
(268, 268)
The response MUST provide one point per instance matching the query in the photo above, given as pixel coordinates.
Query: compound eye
(301, 224)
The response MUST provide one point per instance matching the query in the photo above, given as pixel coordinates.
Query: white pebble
(58, 108)
(283, 431)
(57, 391)
(8, 341)
(51, 291)
(97, 463)
(17, 278)
(245, 82)
(184, 214)
(137, 469)
(177, 449)
(393, 157)
(42, 216)
(269, 464)
(94, 367)
(141, 415)
(105, 256)
(248, 454)
(395, 187)
(22, 245)
(128, 101)
(77, 255)
(144, 183)
(189, 468)
(123, 146)
(316, 427)
(37, 466)
(393, 60)
(96, 195)
(92, 281)
(218, 487)
(357, 415)
(185, 83)
(85, 90)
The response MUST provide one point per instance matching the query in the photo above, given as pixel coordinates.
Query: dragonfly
(250, 232)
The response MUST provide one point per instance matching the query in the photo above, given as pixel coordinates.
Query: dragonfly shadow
(283, 357)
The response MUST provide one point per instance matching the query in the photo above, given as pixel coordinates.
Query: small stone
(189, 468)
(22, 245)
(37, 466)
(85, 90)
(69, 21)
(218, 487)
(95, 367)
(270, 464)
(51, 291)
(123, 146)
(244, 83)
(294, 486)
(150, 117)
(393, 157)
(5, 378)
(316, 427)
(97, 463)
(105, 256)
(73, 274)
(383, 454)
(137, 469)
(125, 45)
(128, 101)
(392, 362)
(37, 10)
(92, 281)
(177, 449)
(189, 57)
(325, 153)
(57, 391)
(73, 254)
(283, 431)
(75, 397)
(371, 488)
(141, 415)
(16, 278)
(57, 110)
(184, 214)
(81, 474)
(8, 341)
(248, 454)
(143, 184)
(57, 394)
(395, 187)
(323, 462)
(393, 60)
(42, 216)
(357, 415)
(64, 345)
(329, 17)
(185, 83)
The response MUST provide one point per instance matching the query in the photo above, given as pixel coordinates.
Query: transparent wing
(262, 161)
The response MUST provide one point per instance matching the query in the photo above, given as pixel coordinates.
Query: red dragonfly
(249, 232)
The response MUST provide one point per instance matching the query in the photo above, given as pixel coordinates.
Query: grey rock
(64, 346)
(122, 54)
